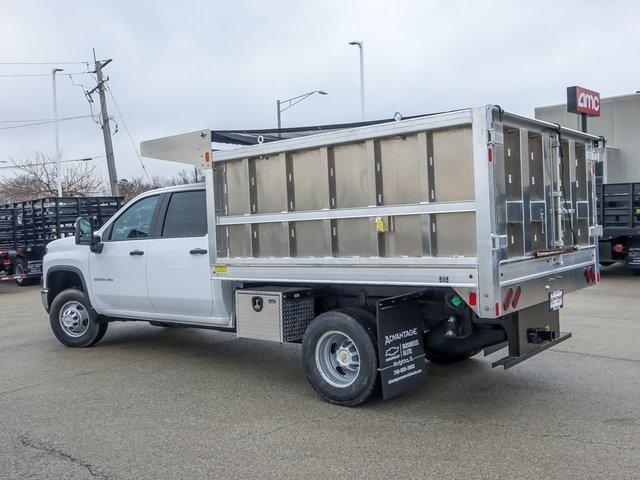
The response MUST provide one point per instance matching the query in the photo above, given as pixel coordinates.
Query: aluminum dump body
(476, 199)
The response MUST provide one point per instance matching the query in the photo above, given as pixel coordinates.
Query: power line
(87, 96)
(133, 145)
(20, 75)
(87, 159)
(43, 122)
(44, 63)
(27, 120)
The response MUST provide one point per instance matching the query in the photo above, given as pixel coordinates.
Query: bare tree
(37, 178)
(134, 186)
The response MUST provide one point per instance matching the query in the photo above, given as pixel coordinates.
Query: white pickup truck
(376, 246)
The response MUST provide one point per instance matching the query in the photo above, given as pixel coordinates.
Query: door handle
(136, 252)
(198, 251)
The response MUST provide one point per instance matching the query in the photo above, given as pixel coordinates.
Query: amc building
(619, 123)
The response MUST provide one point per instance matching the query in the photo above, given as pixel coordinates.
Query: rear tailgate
(545, 205)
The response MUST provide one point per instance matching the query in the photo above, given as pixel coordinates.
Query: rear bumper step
(512, 360)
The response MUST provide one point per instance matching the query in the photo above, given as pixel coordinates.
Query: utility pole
(106, 128)
(55, 128)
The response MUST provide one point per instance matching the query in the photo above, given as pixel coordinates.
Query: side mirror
(84, 231)
(85, 236)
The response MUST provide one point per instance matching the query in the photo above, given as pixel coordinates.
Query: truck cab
(149, 262)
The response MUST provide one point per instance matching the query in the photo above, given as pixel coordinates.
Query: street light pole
(55, 127)
(360, 45)
(291, 102)
(279, 115)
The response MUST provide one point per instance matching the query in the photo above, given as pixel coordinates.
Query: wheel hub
(74, 319)
(337, 359)
(71, 318)
(344, 357)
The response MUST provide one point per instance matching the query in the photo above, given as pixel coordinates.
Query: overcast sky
(184, 66)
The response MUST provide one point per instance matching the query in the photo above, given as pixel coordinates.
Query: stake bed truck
(27, 227)
(378, 246)
(619, 215)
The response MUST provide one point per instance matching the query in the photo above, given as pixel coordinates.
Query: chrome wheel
(74, 319)
(18, 271)
(337, 359)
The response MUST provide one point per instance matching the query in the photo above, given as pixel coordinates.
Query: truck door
(178, 272)
(118, 273)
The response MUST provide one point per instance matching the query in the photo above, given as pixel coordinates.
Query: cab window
(135, 222)
(186, 215)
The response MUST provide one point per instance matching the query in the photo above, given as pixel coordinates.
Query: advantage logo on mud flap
(400, 346)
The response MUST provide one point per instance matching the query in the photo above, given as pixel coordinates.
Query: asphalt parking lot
(149, 402)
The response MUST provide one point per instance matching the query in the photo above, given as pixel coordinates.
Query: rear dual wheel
(339, 356)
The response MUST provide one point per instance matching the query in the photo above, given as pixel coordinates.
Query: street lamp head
(322, 92)
(356, 42)
(57, 70)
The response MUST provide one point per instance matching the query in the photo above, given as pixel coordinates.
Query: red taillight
(516, 297)
(497, 309)
(473, 299)
(507, 300)
(590, 275)
(490, 154)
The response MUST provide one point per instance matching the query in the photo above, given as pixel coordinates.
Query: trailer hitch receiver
(540, 335)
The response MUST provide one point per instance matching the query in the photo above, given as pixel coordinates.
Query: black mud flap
(529, 332)
(400, 344)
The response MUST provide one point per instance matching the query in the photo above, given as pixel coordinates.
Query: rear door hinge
(495, 137)
(498, 242)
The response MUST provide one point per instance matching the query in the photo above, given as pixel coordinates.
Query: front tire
(339, 357)
(73, 321)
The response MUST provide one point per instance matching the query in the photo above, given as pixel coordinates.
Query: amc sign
(581, 100)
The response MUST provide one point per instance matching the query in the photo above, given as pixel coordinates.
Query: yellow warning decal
(220, 268)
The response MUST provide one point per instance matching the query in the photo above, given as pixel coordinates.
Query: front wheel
(73, 321)
(19, 269)
(339, 357)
